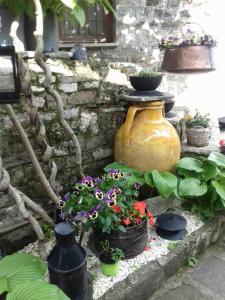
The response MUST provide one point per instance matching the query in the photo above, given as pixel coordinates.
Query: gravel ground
(156, 248)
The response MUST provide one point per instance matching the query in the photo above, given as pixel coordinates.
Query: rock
(68, 87)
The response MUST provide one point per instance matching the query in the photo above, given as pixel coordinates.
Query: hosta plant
(22, 278)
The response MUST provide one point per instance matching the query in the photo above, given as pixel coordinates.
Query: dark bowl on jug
(150, 83)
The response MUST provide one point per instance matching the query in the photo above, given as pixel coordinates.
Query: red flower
(116, 209)
(147, 248)
(140, 206)
(151, 221)
(137, 220)
(126, 221)
(222, 142)
(150, 214)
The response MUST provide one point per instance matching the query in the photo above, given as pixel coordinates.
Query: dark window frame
(109, 25)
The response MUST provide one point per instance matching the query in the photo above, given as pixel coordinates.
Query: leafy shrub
(148, 73)
(197, 120)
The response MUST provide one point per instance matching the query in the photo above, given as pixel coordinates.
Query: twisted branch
(47, 86)
(34, 115)
(32, 156)
(19, 197)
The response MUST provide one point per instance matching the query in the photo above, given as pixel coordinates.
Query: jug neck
(153, 110)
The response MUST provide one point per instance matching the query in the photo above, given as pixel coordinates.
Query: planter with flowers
(197, 129)
(188, 51)
(109, 205)
(110, 259)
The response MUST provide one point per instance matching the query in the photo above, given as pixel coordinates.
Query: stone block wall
(92, 110)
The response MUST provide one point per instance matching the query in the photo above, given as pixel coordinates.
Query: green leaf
(19, 268)
(108, 7)
(122, 229)
(217, 158)
(38, 290)
(188, 173)
(3, 285)
(69, 3)
(192, 187)
(108, 221)
(210, 170)
(149, 179)
(192, 164)
(79, 14)
(165, 183)
(219, 187)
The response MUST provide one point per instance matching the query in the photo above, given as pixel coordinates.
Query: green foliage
(191, 261)
(148, 73)
(22, 278)
(112, 254)
(197, 120)
(107, 203)
(48, 232)
(37, 290)
(61, 8)
(164, 182)
(19, 268)
(172, 245)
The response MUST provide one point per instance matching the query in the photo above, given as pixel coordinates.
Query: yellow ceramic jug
(146, 141)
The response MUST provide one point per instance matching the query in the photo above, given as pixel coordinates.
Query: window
(99, 28)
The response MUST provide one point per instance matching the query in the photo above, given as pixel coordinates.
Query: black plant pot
(145, 83)
(168, 105)
(132, 242)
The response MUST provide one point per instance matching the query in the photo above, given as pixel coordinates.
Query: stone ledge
(142, 283)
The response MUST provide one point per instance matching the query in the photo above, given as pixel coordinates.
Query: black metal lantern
(9, 76)
(171, 226)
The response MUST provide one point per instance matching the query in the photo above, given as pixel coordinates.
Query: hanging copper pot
(188, 59)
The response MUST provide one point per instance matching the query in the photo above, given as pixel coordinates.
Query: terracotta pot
(198, 136)
(146, 141)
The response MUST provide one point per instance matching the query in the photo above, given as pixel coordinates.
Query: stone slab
(211, 273)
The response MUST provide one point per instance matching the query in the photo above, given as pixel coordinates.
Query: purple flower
(88, 181)
(97, 180)
(66, 197)
(189, 31)
(115, 174)
(82, 214)
(98, 194)
(111, 202)
(137, 186)
(111, 194)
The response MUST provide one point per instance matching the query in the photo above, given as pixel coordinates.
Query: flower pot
(198, 136)
(188, 59)
(132, 242)
(140, 83)
(110, 269)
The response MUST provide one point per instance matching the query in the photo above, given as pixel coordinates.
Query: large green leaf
(165, 183)
(38, 290)
(149, 179)
(219, 187)
(192, 164)
(192, 187)
(210, 170)
(69, 3)
(79, 14)
(217, 158)
(188, 173)
(19, 268)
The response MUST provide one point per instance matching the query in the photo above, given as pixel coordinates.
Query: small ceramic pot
(110, 269)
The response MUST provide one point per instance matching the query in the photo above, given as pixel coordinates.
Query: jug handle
(129, 120)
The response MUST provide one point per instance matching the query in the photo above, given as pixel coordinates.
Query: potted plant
(197, 129)
(188, 51)
(109, 259)
(146, 80)
(109, 205)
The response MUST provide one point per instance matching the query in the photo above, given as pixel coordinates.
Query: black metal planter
(131, 242)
